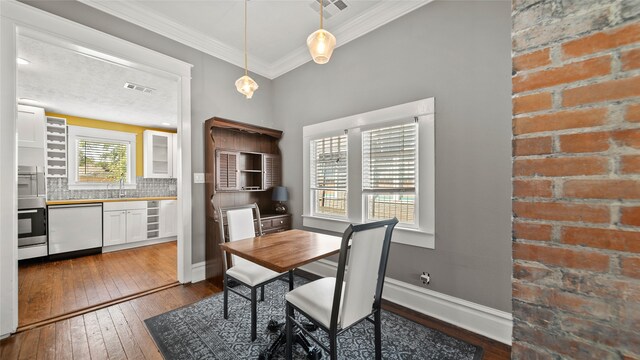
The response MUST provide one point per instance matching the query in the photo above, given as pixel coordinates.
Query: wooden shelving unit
(56, 147)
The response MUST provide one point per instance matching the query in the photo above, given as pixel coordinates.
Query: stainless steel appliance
(31, 182)
(32, 212)
(32, 222)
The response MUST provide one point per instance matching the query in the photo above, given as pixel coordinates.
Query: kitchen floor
(50, 289)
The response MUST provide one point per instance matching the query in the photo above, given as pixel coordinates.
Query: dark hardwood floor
(118, 331)
(49, 289)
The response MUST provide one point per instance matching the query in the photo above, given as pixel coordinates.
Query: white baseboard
(126, 246)
(198, 272)
(480, 319)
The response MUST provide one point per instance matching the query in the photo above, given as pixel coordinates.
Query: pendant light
(246, 85)
(321, 42)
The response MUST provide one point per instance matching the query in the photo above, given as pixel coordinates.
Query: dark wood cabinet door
(227, 170)
(272, 171)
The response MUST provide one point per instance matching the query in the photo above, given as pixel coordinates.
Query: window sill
(101, 187)
(405, 236)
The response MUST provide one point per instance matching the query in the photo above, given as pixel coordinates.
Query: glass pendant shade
(321, 44)
(246, 86)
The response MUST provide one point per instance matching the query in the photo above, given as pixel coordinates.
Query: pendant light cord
(321, 16)
(245, 38)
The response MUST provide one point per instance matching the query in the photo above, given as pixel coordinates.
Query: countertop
(90, 201)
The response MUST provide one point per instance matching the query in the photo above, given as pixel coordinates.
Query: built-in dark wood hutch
(243, 165)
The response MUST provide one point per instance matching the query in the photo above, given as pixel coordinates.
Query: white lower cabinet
(124, 222)
(168, 218)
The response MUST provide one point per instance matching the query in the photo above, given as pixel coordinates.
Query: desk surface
(285, 250)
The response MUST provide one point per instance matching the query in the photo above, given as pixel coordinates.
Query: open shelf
(56, 147)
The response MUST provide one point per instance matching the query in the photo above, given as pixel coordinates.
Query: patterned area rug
(199, 331)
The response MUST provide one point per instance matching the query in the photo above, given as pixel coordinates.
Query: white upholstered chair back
(241, 226)
(361, 276)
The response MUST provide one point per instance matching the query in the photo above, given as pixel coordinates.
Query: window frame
(422, 234)
(79, 133)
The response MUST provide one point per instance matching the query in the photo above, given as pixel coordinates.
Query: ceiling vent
(140, 88)
(331, 7)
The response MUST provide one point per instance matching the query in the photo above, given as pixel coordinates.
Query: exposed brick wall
(576, 179)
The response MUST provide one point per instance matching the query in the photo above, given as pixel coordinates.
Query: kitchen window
(101, 159)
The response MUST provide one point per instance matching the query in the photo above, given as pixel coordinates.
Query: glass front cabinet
(158, 154)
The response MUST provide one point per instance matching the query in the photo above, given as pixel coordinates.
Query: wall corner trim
(483, 320)
(198, 272)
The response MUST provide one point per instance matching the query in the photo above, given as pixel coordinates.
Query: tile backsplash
(58, 189)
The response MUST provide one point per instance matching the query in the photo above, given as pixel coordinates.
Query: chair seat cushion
(251, 274)
(315, 299)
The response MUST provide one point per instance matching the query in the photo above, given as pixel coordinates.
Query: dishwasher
(75, 228)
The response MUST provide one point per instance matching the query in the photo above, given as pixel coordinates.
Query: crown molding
(373, 18)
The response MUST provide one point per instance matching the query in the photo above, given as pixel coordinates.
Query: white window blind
(101, 161)
(389, 159)
(329, 175)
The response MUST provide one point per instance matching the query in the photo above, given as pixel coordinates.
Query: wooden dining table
(281, 252)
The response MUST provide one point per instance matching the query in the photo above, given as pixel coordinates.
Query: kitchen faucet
(121, 191)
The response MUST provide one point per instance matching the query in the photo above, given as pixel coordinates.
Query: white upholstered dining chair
(336, 304)
(240, 225)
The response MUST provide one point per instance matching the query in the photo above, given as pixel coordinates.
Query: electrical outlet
(426, 278)
(198, 178)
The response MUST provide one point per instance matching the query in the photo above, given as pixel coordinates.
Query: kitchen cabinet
(31, 127)
(168, 218)
(124, 222)
(158, 154)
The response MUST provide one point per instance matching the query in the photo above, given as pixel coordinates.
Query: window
(100, 158)
(389, 173)
(329, 175)
(101, 161)
(383, 166)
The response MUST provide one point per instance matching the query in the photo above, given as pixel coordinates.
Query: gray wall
(212, 89)
(459, 53)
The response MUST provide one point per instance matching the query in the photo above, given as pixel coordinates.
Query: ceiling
(71, 83)
(277, 29)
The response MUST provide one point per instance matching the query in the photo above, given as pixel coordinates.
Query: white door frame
(18, 18)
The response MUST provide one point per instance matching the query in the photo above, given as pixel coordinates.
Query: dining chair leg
(254, 314)
(378, 333)
(289, 330)
(262, 293)
(333, 346)
(290, 280)
(226, 296)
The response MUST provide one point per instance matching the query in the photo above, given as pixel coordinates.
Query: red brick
(571, 347)
(534, 315)
(531, 103)
(521, 351)
(630, 267)
(588, 142)
(605, 286)
(532, 273)
(531, 231)
(567, 258)
(630, 215)
(602, 189)
(630, 164)
(532, 188)
(597, 332)
(529, 293)
(531, 60)
(603, 91)
(579, 304)
(563, 166)
(633, 113)
(557, 211)
(630, 59)
(569, 119)
(602, 41)
(566, 74)
(532, 146)
(609, 239)
(629, 138)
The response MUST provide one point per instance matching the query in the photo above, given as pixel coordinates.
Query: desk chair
(240, 221)
(336, 304)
